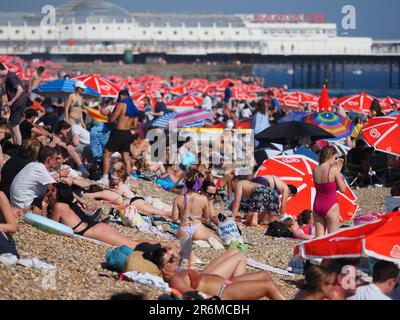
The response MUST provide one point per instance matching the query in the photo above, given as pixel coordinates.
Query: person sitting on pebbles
(263, 202)
(225, 277)
(191, 209)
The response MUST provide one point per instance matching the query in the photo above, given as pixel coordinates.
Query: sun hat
(157, 95)
(80, 84)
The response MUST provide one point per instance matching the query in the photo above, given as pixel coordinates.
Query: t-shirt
(369, 292)
(72, 173)
(49, 120)
(228, 95)
(26, 129)
(11, 84)
(9, 171)
(31, 182)
(84, 135)
(161, 107)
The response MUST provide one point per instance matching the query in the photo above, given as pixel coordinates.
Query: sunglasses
(209, 194)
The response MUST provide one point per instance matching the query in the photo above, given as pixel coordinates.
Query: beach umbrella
(114, 78)
(61, 88)
(192, 118)
(378, 239)
(195, 82)
(253, 88)
(222, 84)
(187, 100)
(332, 122)
(179, 90)
(282, 132)
(324, 104)
(389, 103)
(383, 134)
(298, 99)
(293, 116)
(357, 103)
(277, 149)
(139, 97)
(18, 69)
(103, 86)
(298, 171)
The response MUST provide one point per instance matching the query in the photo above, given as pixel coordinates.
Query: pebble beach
(80, 274)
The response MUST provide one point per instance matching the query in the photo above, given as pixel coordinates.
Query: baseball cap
(80, 84)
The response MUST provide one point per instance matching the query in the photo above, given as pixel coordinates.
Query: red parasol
(103, 86)
(298, 171)
(359, 103)
(324, 104)
(382, 133)
(379, 239)
(188, 100)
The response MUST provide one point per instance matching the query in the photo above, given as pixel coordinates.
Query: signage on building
(290, 18)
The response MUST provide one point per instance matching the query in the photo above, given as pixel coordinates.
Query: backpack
(278, 229)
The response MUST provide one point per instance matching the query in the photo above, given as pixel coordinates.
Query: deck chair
(379, 169)
(352, 172)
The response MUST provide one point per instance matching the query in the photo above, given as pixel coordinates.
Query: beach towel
(147, 279)
(266, 267)
(147, 228)
(159, 204)
(366, 218)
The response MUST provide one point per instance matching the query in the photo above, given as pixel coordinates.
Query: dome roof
(92, 11)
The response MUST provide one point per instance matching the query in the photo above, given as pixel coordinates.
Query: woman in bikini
(65, 210)
(225, 277)
(327, 179)
(73, 110)
(121, 193)
(191, 209)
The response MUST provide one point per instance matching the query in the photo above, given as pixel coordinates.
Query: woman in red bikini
(327, 179)
(225, 277)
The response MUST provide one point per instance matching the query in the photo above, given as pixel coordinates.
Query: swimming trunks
(120, 140)
(264, 200)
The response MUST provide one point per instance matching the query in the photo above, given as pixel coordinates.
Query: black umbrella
(284, 132)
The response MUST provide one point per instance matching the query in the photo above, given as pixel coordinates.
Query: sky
(378, 19)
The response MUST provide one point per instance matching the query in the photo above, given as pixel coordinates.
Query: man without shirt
(126, 115)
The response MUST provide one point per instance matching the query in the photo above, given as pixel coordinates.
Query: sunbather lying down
(225, 277)
(121, 193)
(64, 209)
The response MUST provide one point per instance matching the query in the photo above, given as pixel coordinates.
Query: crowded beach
(188, 189)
